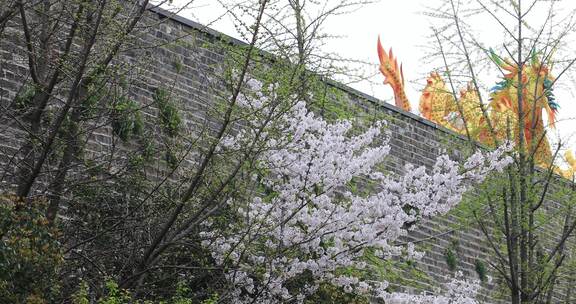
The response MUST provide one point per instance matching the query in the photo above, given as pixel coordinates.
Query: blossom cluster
(458, 291)
(306, 223)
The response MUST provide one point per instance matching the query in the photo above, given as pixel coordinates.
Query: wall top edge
(219, 35)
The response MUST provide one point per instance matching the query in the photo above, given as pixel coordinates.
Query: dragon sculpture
(486, 123)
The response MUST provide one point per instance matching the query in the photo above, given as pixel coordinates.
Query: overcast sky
(402, 26)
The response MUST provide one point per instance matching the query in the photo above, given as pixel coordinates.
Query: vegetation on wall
(481, 270)
(126, 119)
(169, 115)
(451, 259)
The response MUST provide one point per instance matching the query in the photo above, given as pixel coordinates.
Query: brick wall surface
(414, 139)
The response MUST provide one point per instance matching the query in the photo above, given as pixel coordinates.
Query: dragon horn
(402, 74)
(381, 53)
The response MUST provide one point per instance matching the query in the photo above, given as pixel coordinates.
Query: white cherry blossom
(308, 223)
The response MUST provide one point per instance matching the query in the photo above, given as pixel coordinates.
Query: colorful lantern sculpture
(466, 115)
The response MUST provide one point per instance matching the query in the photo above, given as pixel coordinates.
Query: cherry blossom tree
(302, 225)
